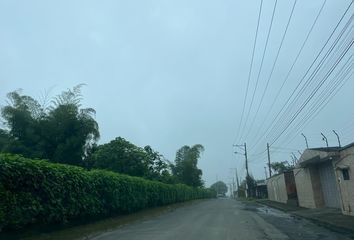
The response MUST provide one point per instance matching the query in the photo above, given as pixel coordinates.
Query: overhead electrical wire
(250, 70)
(332, 85)
(273, 124)
(308, 120)
(318, 68)
(261, 66)
(310, 79)
(273, 67)
(289, 72)
(313, 92)
(276, 120)
(340, 47)
(326, 95)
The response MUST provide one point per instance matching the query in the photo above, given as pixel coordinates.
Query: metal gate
(329, 185)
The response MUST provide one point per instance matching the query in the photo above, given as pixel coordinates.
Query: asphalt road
(223, 219)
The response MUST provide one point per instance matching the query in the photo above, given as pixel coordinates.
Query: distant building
(282, 188)
(261, 189)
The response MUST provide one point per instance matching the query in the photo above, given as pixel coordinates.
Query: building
(324, 178)
(344, 169)
(282, 188)
(261, 189)
(316, 179)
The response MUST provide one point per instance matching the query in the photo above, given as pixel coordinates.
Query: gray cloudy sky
(170, 73)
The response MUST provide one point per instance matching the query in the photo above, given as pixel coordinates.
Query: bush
(36, 191)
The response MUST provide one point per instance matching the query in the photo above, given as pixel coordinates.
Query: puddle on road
(295, 227)
(273, 212)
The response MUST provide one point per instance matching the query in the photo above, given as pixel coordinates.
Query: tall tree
(121, 156)
(185, 168)
(219, 187)
(22, 116)
(63, 132)
(159, 168)
(70, 131)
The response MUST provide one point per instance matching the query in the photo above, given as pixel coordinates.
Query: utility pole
(265, 172)
(244, 147)
(246, 159)
(233, 187)
(337, 137)
(270, 169)
(307, 144)
(237, 181)
(324, 139)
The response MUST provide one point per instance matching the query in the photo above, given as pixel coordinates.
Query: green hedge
(37, 191)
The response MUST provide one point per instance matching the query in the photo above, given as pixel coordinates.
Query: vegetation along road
(222, 219)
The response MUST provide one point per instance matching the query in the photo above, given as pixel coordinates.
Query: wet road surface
(225, 219)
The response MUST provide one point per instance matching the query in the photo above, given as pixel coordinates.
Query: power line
(290, 70)
(331, 86)
(314, 91)
(250, 70)
(273, 67)
(326, 96)
(336, 80)
(261, 66)
(313, 74)
(308, 120)
(276, 120)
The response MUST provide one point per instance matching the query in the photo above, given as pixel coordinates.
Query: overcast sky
(173, 73)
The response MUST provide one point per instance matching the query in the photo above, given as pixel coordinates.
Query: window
(345, 173)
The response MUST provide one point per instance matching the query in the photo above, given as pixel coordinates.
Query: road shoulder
(329, 218)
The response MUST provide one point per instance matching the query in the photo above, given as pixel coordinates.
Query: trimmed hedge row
(36, 191)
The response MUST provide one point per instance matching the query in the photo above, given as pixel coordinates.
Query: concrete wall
(304, 188)
(290, 184)
(346, 187)
(316, 186)
(277, 189)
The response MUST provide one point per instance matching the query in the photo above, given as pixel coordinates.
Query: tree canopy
(121, 156)
(62, 132)
(280, 167)
(220, 187)
(185, 168)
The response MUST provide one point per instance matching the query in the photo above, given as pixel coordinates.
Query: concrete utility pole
(270, 169)
(265, 172)
(244, 147)
(246, 159)
(237, 182)
(307, 144)
(233, 187)
(337, 137)
(324, 139)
